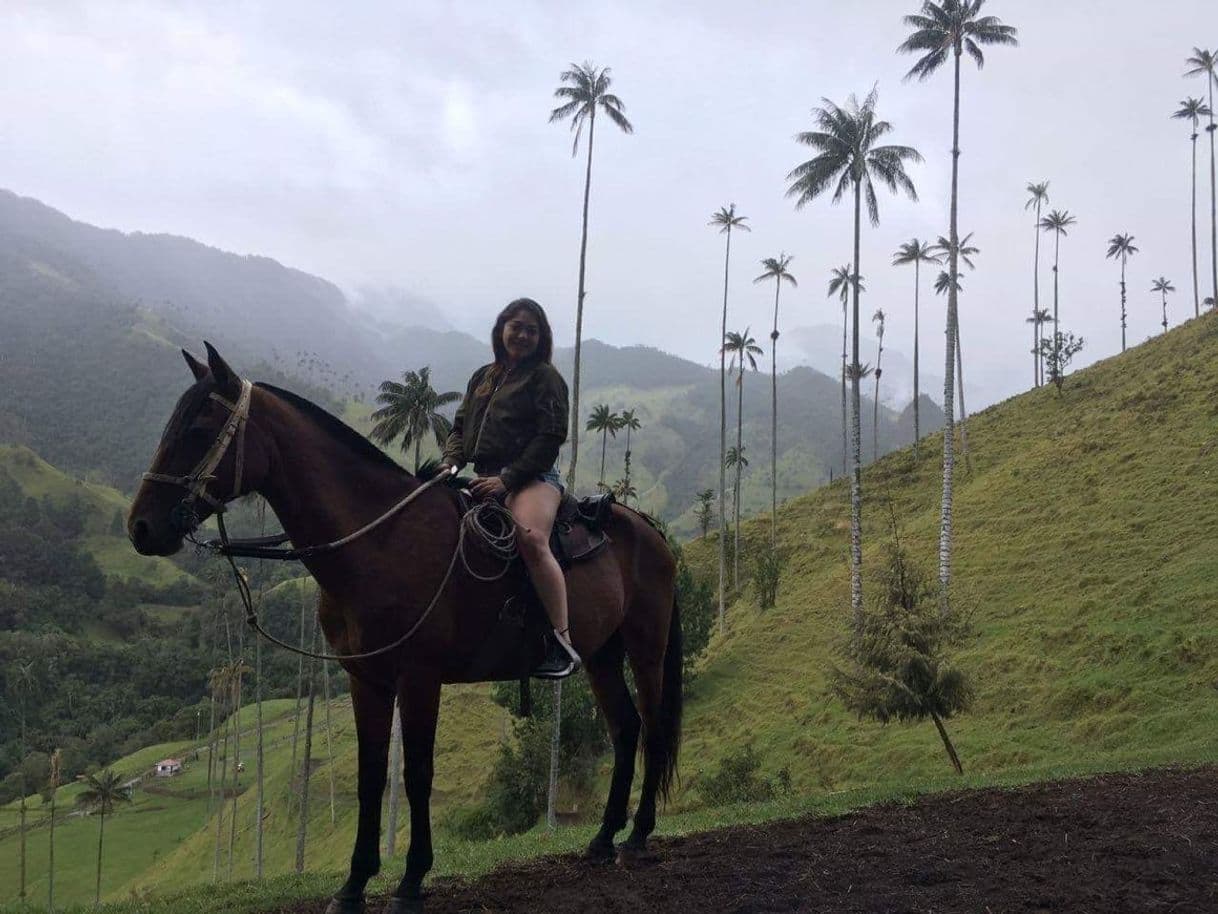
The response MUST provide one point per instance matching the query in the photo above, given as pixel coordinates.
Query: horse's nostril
(139, 533)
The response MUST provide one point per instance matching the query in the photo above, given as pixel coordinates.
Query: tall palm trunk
(223, 763)
(626, 494)
(1213, 197)
(325, 672)
(302, 825)
(604, 443)
(51, 862)
(1036, 372)
(579, 307)
(555, 745)
(949, 435)
(774, 419)
(232, 822)
(1164, 310)
(875, 405)
(261, 772)
(845, 421)
(960, 389)
(1057, 241)
(1196, 292)
(917, 423)
(101, 834)
(856, 475)
(1123, 320)
(727, 258)
(739, 467)
(304, 602)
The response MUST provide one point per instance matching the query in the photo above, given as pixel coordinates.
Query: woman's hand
(486, 487)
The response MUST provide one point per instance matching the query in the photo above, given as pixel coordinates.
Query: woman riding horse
(510, 426)
(402, 603)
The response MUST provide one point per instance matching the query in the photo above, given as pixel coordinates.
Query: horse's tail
(671, 702)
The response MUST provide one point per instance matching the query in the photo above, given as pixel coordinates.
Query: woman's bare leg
(534, 508)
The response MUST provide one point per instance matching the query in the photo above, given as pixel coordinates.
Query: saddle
(579, 527)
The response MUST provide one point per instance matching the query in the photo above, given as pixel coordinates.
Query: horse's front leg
(373, 715)
(419, 700)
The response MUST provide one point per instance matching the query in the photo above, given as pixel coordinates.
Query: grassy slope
(113, 553)
(1084, 550)
(166, 838)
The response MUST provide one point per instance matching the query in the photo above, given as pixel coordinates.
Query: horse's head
(209, 454)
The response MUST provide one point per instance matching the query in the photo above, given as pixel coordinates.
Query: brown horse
(323, 480)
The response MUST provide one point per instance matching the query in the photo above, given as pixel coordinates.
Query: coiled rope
(488, 521)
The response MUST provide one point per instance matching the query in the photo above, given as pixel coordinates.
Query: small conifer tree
(897, 665)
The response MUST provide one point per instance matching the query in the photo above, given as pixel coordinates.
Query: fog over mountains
(90, 319)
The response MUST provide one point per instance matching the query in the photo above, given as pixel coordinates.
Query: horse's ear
(226, 379)
(197, 368)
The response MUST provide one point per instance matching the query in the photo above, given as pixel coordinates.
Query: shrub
(767, 569)
(738, 780)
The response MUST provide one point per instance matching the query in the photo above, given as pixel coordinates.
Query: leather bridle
(197, 480)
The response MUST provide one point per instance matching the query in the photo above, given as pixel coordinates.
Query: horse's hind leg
(608, 682)
(419, 699)
(656, 661)
(373, 714)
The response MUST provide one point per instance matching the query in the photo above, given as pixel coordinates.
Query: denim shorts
(551, 476)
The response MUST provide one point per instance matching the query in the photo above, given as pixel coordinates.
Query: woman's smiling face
(521, 334)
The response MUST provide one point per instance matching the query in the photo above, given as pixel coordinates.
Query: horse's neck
(318, 488)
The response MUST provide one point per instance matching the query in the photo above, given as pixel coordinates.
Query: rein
(502, 544)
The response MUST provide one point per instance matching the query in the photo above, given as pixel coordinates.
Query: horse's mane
(336, 428)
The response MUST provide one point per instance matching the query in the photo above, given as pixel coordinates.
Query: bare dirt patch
(1145, 842)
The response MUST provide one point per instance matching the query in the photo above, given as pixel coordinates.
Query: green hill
(1085, 525)
(104, 512)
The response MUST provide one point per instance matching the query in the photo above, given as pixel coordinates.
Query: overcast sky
(407, 144)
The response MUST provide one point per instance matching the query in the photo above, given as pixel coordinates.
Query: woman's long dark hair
(545, 341)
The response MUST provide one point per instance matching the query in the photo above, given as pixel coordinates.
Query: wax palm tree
(623, 490)
(1038, 196)
(103, 791)
(1122, 246)
(1193, 109)
(917, 252)
(743, 349)
(1204, 63)
(848, 158)
(21, 683)
(965, 251)
(630, 422)
(48, 797)
(1038, 321)
(1208, 301)
(878, 320)
(410, 409)
(737, 461)
(841, 280)
(939, 29)
(726, 220)
(1163, 285)
(775, 268)
(607, 422)
(705, 513)
(1056, 222)
(584, 92)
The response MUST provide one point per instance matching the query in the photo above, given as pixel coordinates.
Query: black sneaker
(560, 661)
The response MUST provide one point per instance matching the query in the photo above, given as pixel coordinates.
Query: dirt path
(1116, 843)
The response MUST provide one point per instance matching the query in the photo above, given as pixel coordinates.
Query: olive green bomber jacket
(520, 425)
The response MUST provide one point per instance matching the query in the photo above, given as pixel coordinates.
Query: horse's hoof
(399, 905)
(346, 904)
(634, 853)
(599, 851)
